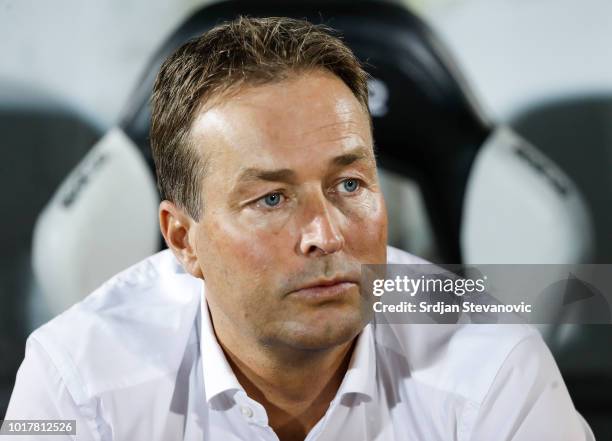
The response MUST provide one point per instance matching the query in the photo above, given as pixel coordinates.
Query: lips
(328, 282)
(325, 290)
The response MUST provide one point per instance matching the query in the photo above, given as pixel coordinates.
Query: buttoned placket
(255, 415)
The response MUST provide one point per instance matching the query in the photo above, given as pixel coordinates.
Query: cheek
(236, 251)
(366, 230)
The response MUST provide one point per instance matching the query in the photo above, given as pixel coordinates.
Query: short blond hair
(246, 50)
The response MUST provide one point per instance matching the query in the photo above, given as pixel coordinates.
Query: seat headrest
(426, 124)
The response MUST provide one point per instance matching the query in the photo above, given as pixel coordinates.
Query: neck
(294, 386)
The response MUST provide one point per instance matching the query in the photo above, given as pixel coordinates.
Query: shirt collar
(219, 377)
(360, 376)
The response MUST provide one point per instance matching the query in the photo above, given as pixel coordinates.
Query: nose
(320, 233)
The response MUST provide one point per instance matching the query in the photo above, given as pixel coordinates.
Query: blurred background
(493, 120)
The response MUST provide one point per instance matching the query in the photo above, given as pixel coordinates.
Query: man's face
(291, 199)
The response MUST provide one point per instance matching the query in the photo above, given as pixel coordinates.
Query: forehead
(310, 115)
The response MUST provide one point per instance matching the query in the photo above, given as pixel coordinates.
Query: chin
(325, 331)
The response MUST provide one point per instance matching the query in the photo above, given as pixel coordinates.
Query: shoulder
(462, 360)
(132, 329)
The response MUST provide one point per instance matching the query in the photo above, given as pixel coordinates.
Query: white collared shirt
(138, 360)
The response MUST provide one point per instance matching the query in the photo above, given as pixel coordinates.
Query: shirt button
(246, 412)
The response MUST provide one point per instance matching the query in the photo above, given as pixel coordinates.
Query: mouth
(324, 290)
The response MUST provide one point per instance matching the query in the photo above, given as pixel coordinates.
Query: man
(252, 326)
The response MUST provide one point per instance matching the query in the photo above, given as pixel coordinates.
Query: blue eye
(272, 199)
(350, 185)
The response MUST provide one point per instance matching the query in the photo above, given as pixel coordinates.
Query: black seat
(425, 124)
(42, 140)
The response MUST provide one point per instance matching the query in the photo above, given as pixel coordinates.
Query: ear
(176, 226)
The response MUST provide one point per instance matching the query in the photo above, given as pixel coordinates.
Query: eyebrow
(289, 176)
(359, 154)
(256, 174)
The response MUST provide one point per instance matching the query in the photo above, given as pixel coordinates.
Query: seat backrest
(43, 138)
(426, 124)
